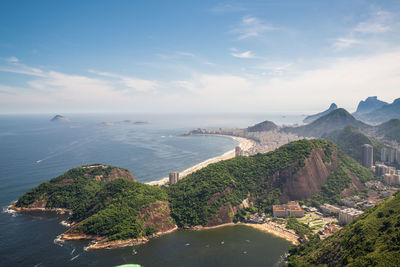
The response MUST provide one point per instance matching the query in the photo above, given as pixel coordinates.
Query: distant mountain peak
(314, 117)
(371, 103)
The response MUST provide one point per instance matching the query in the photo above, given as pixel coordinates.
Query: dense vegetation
(105, 205)
(340, 179)
(102, 205)
(114, 211)
(70, 190)
(350, 141)
(300, 228)
(199, 197)
(335, 120)
(390, 130)
(373, 239)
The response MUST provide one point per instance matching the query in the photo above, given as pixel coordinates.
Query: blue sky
(196, 56)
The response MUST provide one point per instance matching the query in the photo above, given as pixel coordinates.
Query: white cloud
(140, 85)
(342, 43)
(251, 27)
(344, 81)
(365, 31)
(246, 54)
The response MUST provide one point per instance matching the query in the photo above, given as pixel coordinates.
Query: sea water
(33, 150)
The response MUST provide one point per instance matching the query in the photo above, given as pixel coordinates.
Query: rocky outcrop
(157, 215)
(59, 118)
(308, 180)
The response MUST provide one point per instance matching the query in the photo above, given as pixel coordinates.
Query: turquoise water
(33, 150)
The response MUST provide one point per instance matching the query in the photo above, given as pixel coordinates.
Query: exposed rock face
(120, 173)
(158, 216)
(314, 117)
(308, 180)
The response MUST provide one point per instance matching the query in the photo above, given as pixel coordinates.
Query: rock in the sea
(59, 118)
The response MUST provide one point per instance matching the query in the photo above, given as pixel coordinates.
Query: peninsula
(109, 207)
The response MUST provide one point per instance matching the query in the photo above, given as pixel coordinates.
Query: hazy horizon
(270, 57)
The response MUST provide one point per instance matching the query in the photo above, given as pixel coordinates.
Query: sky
(282, 57)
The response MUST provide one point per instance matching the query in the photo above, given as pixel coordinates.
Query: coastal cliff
(312, 170)
(110, 208)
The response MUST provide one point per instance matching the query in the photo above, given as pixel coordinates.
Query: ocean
(33, 150)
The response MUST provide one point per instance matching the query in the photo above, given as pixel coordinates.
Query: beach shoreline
(270, 228)
(244, 143)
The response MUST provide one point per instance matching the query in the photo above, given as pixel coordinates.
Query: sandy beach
(276, 230)
(244, 144)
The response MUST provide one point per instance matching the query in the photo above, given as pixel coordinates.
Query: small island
(59, 118)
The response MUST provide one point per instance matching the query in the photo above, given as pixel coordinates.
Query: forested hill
(73, 188)
(306, 169)
(350, 141)
(335, 120)
(373, 239)
(106, 201)
(390, 130)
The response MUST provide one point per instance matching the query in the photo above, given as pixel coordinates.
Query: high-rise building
(384, 154)
(398, 156)
(238, 151)
(367, 156)
(173, 177)
(393, 155)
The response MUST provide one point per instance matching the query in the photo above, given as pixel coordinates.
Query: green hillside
(107, 202)
(373, 239)
(390, 130)
(335, 120)
(72, 189)
(350, 141)
(207, 196)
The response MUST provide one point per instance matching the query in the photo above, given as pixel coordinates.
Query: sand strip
(244, 144)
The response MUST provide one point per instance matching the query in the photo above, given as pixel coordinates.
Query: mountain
(263, 127)
(59, 118)
(300, 170)
(314, 117)
(373, 239)
(335, 120)
(390, 130)
(106, 202)
(350, 140)
(370, 104)
(383, 114)
(108, 206)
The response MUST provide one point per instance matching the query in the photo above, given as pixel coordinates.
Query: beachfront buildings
(286, 210)
(367, 156)
(173, 177)
(348, 215)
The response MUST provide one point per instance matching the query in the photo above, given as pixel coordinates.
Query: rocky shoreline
(28, 209)
(99, 242)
